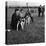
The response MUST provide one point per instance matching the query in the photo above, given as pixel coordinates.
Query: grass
(33, 33)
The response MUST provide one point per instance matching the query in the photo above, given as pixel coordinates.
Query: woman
(15, 18)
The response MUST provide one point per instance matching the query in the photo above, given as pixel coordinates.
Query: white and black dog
(21, 22)
(28, 19)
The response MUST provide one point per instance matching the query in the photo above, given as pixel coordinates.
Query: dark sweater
(14, 21)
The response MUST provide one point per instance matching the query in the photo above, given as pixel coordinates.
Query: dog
(21, 22)
(28, 19)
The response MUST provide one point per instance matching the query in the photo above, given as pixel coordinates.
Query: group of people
(19, 19)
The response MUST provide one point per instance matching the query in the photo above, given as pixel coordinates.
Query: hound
(21, 22)
(28, 19)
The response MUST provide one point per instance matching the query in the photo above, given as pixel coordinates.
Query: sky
(23, 3)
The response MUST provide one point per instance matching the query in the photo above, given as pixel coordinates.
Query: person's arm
(12, 21)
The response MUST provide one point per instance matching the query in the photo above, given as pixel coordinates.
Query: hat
(16, 9)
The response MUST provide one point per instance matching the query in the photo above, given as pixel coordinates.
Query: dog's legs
(17, 26)
(26, 21)
(22, 25)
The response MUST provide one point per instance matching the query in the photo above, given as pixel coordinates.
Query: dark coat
(14, 21)
(39, 9)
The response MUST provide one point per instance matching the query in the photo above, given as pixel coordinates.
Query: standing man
(43, 10)
(28, 14)
(39, 11)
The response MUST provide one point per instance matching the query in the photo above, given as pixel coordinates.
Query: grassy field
(33, 33)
